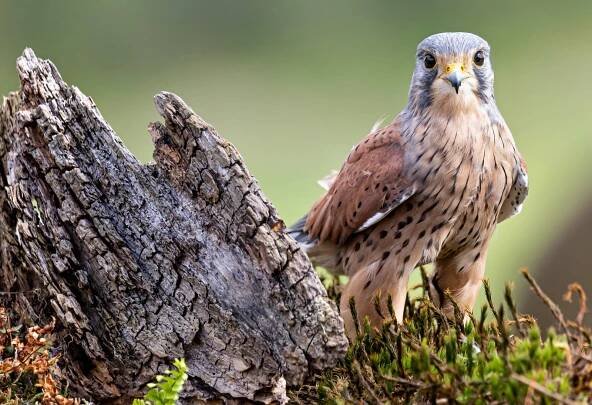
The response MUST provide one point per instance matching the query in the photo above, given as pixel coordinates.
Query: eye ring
(479, 58)
(429, 61)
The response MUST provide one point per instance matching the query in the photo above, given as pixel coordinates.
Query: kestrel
(428, 188)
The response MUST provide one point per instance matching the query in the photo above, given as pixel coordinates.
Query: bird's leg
(461, 277)
(364, 290)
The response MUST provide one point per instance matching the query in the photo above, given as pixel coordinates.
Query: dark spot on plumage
(409, 220)
(359, 204)
(369, 243)
(427, 175)
(477, 256)
(357, 246)
(424, 214)
(401, 225)
(400, 273)
(355, 213)
(430, 243)
(339, 204)
(437, 227)
(347, 260)
(385, 255)
(464, 221)
(397, 235)
(405, 242)
(437, 193)
(425, 134)
(421, 234)
(383, 234)
(461, 268)
(433, 155)
(384, 189)
(361, 259)
(406, 259)
(380, 268)
(367, 284)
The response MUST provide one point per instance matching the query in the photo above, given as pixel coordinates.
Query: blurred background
(294, 84)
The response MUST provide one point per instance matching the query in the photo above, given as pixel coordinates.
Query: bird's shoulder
(376, 141)
(369, 185)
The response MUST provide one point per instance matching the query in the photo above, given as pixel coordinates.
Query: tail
(297, 232)
(297, 229)
(320, 254)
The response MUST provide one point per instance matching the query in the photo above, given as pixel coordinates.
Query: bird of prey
(428, 188)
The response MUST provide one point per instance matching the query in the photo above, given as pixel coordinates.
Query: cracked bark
(183, 257)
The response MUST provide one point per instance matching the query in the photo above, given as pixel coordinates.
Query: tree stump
(143, 263)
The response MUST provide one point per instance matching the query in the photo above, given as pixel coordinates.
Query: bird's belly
(476, 219)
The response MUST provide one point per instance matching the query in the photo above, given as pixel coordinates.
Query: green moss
(469, 361)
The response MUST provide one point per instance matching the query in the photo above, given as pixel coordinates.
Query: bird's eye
(429, 61)
(479, 58)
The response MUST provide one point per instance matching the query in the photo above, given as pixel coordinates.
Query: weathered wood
(140, 264)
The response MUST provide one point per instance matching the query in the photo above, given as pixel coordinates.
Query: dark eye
(429, 61)
(479, 58)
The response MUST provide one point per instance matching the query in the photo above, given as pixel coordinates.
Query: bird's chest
(483, 182)
(466, 177)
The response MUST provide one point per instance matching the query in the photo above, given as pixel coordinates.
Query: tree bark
(142, 263)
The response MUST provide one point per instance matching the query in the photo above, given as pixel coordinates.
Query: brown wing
(369, 185)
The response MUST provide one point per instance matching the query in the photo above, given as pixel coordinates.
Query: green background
(294, 84)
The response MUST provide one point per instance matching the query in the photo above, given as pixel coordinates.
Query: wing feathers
(369, 185)
(513, 203)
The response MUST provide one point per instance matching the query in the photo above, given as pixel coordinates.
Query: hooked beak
(455, 74)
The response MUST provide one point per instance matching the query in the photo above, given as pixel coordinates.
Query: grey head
(451, 68)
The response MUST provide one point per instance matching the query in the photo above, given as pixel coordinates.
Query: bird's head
(452, 71)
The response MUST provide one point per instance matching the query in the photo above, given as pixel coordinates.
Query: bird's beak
(455, 74)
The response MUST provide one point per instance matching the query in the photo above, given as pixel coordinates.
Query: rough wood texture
(140, 264)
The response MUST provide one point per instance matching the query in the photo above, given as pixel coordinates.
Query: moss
(481, 358)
